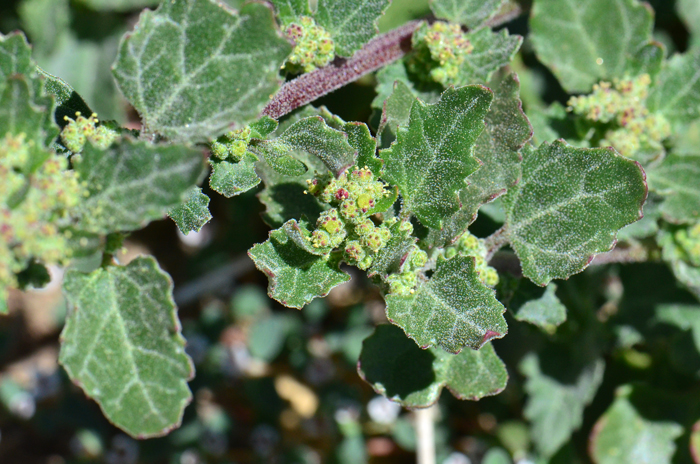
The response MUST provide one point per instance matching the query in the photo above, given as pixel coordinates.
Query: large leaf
(452, 310)
(193, 213)
(352, 23)
(555, 403)
(193, 68)
(492, 51)
(568, 207)
(433, 154)
(584, 41)
(122, 345)
(677, 92)
(498, 148)
(398, 369)
(677, 178)
(471, 13)
(546, 312)
(297, 274)
(133, 183)
(624, 436)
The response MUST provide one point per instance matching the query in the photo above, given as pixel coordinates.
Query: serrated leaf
(568, 207)
(133, 183)
(352, 23)
(193, 213)
(122, 345)
(193, 68)
(492, 51)
(432, 155)
(555, 404)
(390, 258)
(231, 179)
(685, 317)
(397, 108)
(452, 310)
(677, 91)
(414, 378)
(289, 11)
(677, 179)
(498, 149)
(585, 41)
(623, 436)
(471, 13)
(296, 276)
(546, 312)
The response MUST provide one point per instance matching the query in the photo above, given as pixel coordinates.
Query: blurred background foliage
(276, 385)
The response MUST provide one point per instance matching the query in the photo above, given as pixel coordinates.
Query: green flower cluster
(32, 203)
(469, 245)
(405, 281)
(448, 46)
(314, 46)
(689, 241)
(623, 103)
(352, 196)
(80, 130)
(233, 145)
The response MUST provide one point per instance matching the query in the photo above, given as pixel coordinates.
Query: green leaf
(386, 78)
(360, 138)
(311, 135)
(568, 207)
(623, 436)
(289, 11)
(267, 335)
(18, 112)
(397, 108)
(452, 310)
(193, 213)
(677, 91)
(68, 102)
(555, 404)
(432, 155)
(684, 272)
(546, 312)
(414, 378)
(585, 41)
(352, 23)
(122, 345)
(119, 5)
(194, 68)
(689, 12)
(676, 178)
(685, 317)
(296, 276)
(390, 258)
(497, 456)
(231, 179)
(45, 21)
(133, 183)
(498, 149)
(492, 51)
(471, 13)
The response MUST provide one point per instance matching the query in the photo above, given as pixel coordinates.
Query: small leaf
(452, 310)
(289, 11)
(676, 178)
(296, 276)
(414, 378)
(194, 68)
(623, 436)
(231, 179)
(133, 183)
(585, 41)
(352, 23)
(193, 213)
(546, 312)
(568, 207)
(386, 78)
(685, 317)
(677, 92)
(360, 138)
(555, 404)
(432, 156)
(397, 108)
(389, 259)
(471, 13)
(122, 345)
(492, 51)
(68, 102)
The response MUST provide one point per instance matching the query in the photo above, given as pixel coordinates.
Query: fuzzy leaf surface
(289, 11)
(397, 108)
(676, 178)
(390, 258)
(398, 369)
(68, 102)
(471, 13)
(133, 183)
(555, 406)
(492, 51)
(433, 153)
(296, 275)
(122, 345)
(230, 179)
(193, 213)
(569, 206)
(623, 436)
(352, 23)
(546, 312)
(452, 310)
(584, 41)
(360, 138)
(677, 92)
(194, 68)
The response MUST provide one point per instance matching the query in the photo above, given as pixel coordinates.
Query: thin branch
(425, 435)
(634, 254)
(495, 242)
